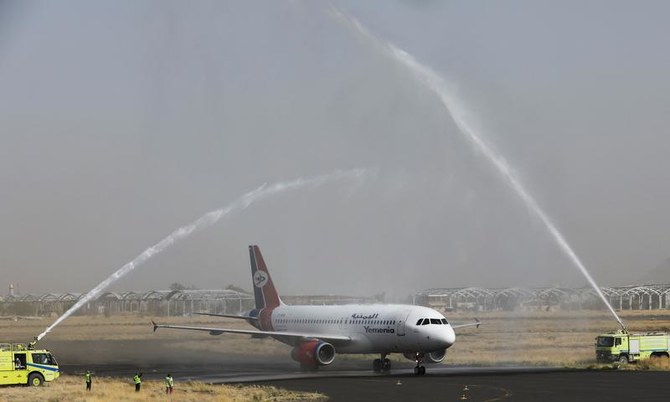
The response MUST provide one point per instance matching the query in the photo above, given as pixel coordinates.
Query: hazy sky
(124, 120)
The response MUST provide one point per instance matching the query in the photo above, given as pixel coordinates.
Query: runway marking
(506, 392)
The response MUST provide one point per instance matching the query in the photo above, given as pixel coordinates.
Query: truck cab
(20, 364)
(612, 347)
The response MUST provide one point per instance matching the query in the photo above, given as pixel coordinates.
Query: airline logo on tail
(260, 279)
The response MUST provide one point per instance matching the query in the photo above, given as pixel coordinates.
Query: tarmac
(520, 386)
(353, 380)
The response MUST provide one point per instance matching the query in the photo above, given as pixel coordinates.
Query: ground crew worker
(138, 381)
(168, 384)
(88, 379)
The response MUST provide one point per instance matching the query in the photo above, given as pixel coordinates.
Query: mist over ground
(122, 121)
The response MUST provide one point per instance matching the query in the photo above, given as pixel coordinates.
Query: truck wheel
(35, 379)
(623, 359)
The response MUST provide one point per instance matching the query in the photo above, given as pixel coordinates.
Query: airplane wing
(472, 324)
(242, 317)
(218, 331)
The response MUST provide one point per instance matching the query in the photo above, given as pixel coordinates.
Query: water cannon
(31, 345)
(623, 330)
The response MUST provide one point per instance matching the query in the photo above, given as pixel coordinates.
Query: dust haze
(123, 121)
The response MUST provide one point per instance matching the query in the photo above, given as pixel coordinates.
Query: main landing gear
(382, 364)
(419, 369)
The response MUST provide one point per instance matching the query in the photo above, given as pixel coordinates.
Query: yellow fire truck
(21, 364)
(626, 348)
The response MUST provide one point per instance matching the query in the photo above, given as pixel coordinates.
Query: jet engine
(435, 356)
(314, 353)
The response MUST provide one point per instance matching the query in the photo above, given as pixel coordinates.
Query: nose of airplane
(449, 336)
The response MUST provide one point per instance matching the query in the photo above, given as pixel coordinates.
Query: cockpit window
(434, 321)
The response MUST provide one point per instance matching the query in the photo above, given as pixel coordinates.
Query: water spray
(208, 219)
(464, 121)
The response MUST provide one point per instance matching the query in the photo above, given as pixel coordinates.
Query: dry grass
(657, 364)
(71, 389)
(535, 338)
(133, 327)
(126, 326)
(543, 338)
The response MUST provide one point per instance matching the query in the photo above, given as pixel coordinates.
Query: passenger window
(617, 341)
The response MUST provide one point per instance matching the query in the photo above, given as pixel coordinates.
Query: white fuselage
(372, 328)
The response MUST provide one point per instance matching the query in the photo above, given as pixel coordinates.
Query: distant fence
(155, 303)
(642, 297)
(226, 301)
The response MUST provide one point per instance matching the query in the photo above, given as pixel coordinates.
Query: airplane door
(400, 325)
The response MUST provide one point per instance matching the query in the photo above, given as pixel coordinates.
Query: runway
(354, 381)
(529, 386)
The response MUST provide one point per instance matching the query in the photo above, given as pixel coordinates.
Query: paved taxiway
(520, 386)
(353, 381)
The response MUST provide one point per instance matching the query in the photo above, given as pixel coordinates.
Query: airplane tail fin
(264, 290)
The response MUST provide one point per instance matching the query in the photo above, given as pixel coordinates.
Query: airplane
(317, 333)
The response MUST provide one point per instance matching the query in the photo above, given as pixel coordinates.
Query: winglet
(155, 325)
(478, 322)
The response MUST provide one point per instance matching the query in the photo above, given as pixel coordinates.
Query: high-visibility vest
(87, 377)
(168, 382)
(137, 379)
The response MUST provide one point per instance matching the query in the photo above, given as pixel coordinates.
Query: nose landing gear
(419, 369)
